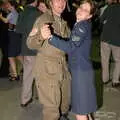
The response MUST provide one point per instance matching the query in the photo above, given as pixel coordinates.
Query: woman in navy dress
(78, 50)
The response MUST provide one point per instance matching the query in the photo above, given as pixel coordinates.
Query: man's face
(83, 12)
(58, 6)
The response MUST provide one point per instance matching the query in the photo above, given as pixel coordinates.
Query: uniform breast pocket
(52, 67)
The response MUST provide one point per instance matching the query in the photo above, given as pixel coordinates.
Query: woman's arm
(61, 44)
(77, 38)
(55, 40)
(35, 40)
(5, 20)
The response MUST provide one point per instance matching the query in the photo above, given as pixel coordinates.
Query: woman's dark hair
(38, 2)
(77, 4)
(92, 10)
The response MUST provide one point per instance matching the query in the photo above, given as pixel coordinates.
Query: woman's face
(83, 12)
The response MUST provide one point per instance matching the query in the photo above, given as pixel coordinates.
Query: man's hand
(46, 32)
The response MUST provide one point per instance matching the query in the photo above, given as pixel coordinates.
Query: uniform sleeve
(61, 44)
(77, 38)
(35, 41)
(78, 35)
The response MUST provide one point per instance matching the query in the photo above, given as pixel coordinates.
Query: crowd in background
(19, 17)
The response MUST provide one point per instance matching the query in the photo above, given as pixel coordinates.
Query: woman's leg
(82, 117)
(20, 58)
(20, 66)
(12, 68)
(85, 117)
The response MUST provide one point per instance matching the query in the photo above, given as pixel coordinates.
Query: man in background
(32, 10)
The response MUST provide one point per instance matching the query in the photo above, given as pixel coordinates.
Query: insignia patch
(81, 30)
(75, 38)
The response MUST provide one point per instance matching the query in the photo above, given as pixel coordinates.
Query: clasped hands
(46, 31)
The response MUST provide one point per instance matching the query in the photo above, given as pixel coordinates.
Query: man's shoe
(116, 85)
(26, 104)
(105, 83)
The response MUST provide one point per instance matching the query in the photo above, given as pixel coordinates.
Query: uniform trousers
(106, 51)
(28, 64)
(53, 86)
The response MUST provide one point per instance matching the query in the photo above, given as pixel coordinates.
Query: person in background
(4, 70)
(78, 49)
(50, 71)
(14, 42)
(32, 11)
(107, 3)
(110, 43)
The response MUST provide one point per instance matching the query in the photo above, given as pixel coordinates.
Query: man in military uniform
(51, 71)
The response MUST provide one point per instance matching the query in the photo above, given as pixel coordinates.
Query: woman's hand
(46, 32)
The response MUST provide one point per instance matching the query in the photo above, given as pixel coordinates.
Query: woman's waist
(83, 64)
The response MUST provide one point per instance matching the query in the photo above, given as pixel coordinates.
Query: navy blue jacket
(77, 47)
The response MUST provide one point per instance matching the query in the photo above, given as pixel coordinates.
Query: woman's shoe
(13, 77)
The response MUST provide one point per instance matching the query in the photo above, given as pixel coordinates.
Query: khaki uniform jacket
(50, 61)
